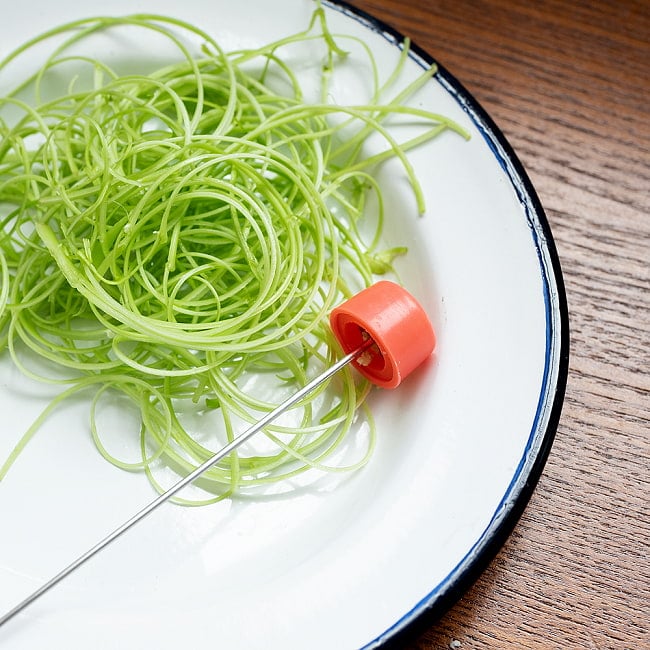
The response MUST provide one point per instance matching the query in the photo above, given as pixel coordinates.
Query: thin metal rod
(236, 442)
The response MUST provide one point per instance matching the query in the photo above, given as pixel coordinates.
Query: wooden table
(569, 85)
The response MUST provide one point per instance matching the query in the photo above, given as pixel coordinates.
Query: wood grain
(569, 85)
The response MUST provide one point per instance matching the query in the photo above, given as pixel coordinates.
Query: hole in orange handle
(371, 354)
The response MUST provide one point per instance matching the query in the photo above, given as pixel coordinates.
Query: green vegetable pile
(168, 234)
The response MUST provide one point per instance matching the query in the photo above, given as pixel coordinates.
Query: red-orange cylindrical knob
(395, 321)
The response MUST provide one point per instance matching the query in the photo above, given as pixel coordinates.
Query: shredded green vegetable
(168, 234)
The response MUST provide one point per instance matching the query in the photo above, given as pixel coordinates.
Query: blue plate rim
(444, 595)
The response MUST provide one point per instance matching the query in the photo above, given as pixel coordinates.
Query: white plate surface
(460, 443)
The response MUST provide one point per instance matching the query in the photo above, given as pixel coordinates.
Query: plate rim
(551, 399)
(551, 395)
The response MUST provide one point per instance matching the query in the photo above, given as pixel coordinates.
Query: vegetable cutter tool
(385, 334)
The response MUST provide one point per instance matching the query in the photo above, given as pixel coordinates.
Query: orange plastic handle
(395, 321)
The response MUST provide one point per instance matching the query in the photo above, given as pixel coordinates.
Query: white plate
(461, 444)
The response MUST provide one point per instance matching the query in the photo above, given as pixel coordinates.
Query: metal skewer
(240, 439)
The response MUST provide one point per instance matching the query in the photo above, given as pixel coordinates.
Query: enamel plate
(348, 564)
